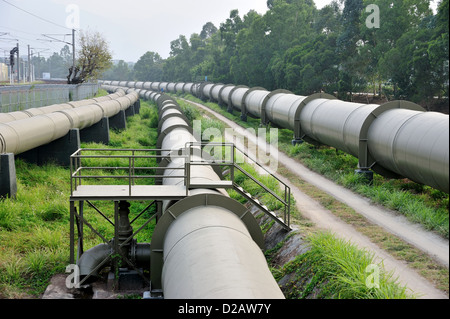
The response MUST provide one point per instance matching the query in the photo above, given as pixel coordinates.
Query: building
(3, 72)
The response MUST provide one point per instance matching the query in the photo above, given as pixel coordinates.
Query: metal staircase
(283, 222)
(228, 153)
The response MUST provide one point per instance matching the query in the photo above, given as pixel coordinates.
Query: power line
(51, 46)
(16, 30)
(36, 42)
(36, 16)
(15, 38)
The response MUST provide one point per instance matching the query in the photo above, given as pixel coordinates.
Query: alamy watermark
(73, 17)
(261, 145)
(373, 278)
(373, 20)
(73, 279)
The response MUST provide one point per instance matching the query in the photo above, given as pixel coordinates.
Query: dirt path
(434, 245)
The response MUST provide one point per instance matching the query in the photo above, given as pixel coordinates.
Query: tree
(397, 18)
(347, 46)
(209, 29)
(328, 19)
(296, 47)
(119, 72)
(249, 66)
(287, 21)
(149, 67)
(229, 30)
(67, 56)
(438, 49)
(93, 58)
(56, 66)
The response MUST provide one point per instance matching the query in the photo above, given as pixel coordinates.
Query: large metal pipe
(84, 116)
(335, 123)
(138, 85)
(92, 261)
(208, 251)
(413, 144)
(171, 87)
(20, 115)
(23, 135)
(179, 87)
(20, 136)
(225, 94)
(254, 102)
(163, 86)
(13, 116)
(206, 90)
(196, 89)
(344, 125)
(237, 96)
(155, 86)
(215, 91)
(147, 86)
(187, 88)
(281, 109)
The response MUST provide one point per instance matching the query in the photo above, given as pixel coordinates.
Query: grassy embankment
(34, 228)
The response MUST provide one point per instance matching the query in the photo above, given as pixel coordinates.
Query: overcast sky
(131, 27)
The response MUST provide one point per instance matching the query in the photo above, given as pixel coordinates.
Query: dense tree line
(400, 51)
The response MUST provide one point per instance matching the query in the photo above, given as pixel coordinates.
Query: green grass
(256, 190)
(419, 203)
(335, 269)
(34, 228)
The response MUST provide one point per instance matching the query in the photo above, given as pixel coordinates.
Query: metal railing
(135, 161)
(128, 163)
(227, 159)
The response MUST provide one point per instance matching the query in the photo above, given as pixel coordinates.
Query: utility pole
(52, 39)
(29, 64)
(11, 61)
(18, 64)
(73, 51)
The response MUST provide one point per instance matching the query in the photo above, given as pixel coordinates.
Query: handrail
(260, 184)
(77, 169)
(129, 165)
(286, 202)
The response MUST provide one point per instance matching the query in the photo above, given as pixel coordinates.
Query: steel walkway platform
(128, 193)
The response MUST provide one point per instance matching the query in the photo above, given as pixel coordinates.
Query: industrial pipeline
(208, 250)
(206, 245)
(25, 130)
(398, 139)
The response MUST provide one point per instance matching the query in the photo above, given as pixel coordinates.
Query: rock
(57, 289)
